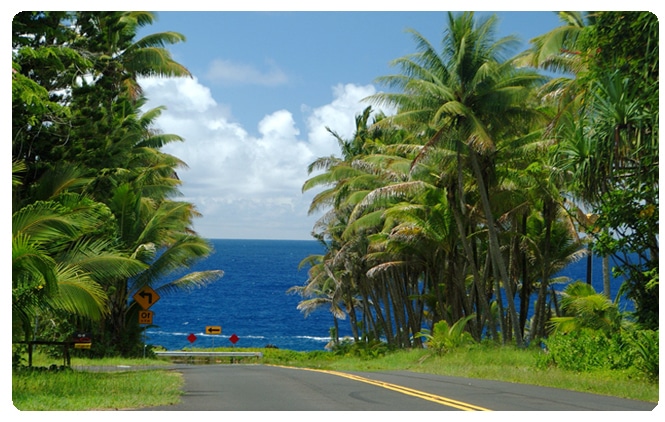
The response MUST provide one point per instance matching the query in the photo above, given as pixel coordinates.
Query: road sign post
(146, 297)
(213, 329)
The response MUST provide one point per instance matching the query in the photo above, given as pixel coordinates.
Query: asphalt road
(272, 388)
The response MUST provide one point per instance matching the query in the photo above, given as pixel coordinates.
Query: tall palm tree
(321, 290)
(469, 91)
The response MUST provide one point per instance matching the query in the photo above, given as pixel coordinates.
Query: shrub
(645, 344)
(586, 350)
(363, 349)
(444, 338)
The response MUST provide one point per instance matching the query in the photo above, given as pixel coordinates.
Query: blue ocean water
(250, 300)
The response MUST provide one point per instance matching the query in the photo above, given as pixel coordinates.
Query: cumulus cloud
(228, 72)
(249, 186)
(339, 115)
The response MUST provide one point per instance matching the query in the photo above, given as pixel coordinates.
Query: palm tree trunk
(470, 257)
(351, 310)
(541, 308)
(606, 277)
(494, 247)
(387, 319)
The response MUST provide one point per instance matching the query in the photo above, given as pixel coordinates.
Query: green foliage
(364, 350)
(445, 338)
(92, 213)
(645, 343)
(591, 350)
(584, 308)
(623, 103)
(586, 350)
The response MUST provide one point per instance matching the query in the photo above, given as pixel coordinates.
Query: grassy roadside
(503, 363)
(75, 390)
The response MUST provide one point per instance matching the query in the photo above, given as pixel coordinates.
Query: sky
(265, 85)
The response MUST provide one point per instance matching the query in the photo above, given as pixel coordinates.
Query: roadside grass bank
(77, 390)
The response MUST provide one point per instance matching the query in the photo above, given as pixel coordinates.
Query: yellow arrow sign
(146, 297)
(213, 329)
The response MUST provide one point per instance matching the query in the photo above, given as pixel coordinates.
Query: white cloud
(339, 116)
(228, 72)
(249, 186)
(182, 94)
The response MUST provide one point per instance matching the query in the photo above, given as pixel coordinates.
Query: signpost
(234, 339)
(191, 338)
(146, 297)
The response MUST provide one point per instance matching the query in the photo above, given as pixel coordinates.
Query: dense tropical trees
(94, 215)
(469, 95)
(472, 210)
(625, 110)
(608, 140)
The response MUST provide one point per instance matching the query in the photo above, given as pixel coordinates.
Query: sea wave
(322, 339)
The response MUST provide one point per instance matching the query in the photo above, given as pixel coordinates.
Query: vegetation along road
(277, 388)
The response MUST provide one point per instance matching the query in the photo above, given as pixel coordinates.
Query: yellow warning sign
(145, 317)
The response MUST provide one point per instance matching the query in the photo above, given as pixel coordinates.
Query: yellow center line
(401, 389)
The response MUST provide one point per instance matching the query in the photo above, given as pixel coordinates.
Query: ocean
(250, 303)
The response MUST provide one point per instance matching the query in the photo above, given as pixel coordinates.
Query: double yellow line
(404, 390)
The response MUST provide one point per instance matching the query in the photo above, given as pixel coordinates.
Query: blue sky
(265, 86)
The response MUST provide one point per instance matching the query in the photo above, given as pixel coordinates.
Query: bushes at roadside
(586, 350)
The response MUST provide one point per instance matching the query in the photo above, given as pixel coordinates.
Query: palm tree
(59, 260)
(368, 162)
(321, 290)
(469, 92)
(562, 51)
(559, 50)
(156, 232)
(119, 60)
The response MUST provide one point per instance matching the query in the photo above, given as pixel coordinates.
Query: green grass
(510, 365)
(74, 390)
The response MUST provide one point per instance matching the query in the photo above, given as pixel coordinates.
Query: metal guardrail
(190, 356)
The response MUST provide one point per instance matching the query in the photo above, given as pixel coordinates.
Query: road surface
(274, 388)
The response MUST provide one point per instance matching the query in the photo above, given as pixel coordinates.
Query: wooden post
(68, 361)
